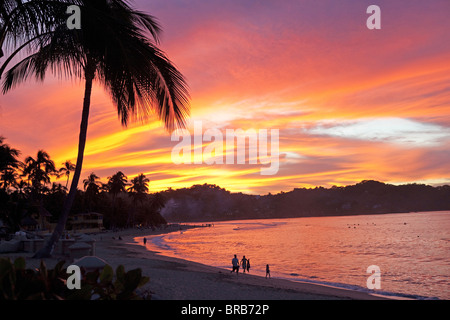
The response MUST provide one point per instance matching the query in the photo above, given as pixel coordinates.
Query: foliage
(19, 283)
(104, 286)
(32, 189)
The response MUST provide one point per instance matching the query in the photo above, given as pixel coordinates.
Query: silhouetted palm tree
(58, 188)
(92, 181)
(111, 47)
(67, 168)
(138, 190)
(139, 187)
(21, 188)
(8, 164)
(117, 183)
(39, 170)
(8, 179)
(92, 187)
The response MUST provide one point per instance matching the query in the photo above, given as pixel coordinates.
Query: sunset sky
(350, 103)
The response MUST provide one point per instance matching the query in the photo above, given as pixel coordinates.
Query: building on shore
(91, 222)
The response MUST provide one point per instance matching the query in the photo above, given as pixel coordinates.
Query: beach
(177, 279)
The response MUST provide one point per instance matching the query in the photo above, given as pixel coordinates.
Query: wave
(359, 289)
(159, 242)
(238, 226)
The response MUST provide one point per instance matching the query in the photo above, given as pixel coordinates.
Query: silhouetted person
(235, 263)
(244, 263)
(267, 271)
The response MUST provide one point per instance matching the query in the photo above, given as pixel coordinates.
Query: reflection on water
(412, 250)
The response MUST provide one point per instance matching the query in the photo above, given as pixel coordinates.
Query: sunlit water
(411, 250)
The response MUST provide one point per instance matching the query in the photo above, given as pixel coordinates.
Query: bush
(19, 283)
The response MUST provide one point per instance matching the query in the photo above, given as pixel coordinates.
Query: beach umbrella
(90, 263)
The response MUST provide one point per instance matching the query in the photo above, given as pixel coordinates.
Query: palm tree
(138, 190)
(92, 181)
(117, 183)
(39, 170)
(8, 163)
(113, 48)
(21, 188)
(58, 188)
(92, 187)
(9, 179)
(139, 187)
(28, 22)
(67, 168)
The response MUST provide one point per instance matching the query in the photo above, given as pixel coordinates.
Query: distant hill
(212, 203)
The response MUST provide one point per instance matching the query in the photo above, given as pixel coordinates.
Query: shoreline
(179, 279)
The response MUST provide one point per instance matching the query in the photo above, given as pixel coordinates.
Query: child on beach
(267, 271)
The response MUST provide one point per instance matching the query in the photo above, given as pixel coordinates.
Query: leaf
(5, 267)
(120, 273)
(107, 275)
(20, 263)
(132, 279)
(59, 267)
(143, 281)
(43, 269)
(119, 284)
(85, 293)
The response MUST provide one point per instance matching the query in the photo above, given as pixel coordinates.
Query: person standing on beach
(267, 271)
(235, 263)
(244, 263)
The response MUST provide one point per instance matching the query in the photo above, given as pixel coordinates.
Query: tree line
(212, 203)
(26, 188)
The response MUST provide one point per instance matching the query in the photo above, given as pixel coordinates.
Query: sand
(177, 279)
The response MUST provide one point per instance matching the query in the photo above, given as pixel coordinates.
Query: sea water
(412, 250)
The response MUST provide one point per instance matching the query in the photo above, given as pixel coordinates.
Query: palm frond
(140, 78)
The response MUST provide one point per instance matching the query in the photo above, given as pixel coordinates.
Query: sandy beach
(177, 279)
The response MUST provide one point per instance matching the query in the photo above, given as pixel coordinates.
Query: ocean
(411, 250)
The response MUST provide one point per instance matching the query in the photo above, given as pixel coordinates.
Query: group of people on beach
(245, 263)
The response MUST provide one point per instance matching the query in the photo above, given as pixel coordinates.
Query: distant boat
(237, 228)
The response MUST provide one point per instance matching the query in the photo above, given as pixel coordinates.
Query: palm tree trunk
(48, 248)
